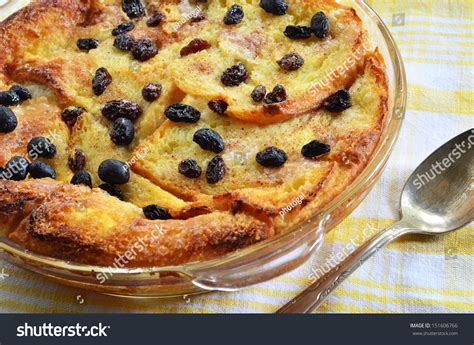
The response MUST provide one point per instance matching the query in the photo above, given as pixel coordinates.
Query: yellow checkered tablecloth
(414, 274)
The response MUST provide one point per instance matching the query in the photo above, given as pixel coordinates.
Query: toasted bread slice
(351, 134)
(38, 117)
(90, 226)
(258, 42)
(91, 136)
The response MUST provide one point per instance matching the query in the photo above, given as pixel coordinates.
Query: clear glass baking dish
(259, 262)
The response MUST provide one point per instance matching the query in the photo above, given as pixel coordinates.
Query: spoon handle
(316, 293)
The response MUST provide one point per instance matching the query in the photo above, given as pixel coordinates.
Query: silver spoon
(429, 206)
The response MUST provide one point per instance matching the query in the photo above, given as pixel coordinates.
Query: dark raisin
(114, 171)
(276, 7)
(209, 140)
(179, 112)
(9, 98)
(101, 80)
(70, 115)
(16, 168)
(41, 147)
(234, 15)
(189, 168)
(112, 190)
(123, 28)
(297, 32)
(155, 19)
(338, 102)
(320, 25)
(291, 62)
(77, 161)
(122, 132)
(315, 148)
(258, 94)
(235, 75)
(215, 170)
(271, 157)
(82, 177)
(87, 44)
(151, 92)
(8, 120)
(218, 106)
(121, 108)
(154, 212)
(278, 94)
(124, 42)
(133, 8)
(144, 49)
(22, 92)
(197, 17)
(39, 169)
(196, 45)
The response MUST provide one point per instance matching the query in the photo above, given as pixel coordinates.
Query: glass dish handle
(263, 265)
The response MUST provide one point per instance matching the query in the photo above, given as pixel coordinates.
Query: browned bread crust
(87, 225)
(78, 224)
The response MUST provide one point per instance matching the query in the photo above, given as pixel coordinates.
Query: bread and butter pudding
(188, 129)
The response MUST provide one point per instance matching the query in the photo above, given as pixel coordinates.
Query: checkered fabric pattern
(415, 274)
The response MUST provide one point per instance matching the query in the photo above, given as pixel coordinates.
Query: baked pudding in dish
(192, 128)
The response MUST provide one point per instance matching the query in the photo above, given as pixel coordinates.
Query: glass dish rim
(375, 165)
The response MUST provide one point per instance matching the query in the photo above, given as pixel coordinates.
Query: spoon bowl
(439, 195)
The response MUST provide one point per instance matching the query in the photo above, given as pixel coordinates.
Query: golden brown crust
(251, 203)
(27, 27)
(80, 224)
(16, 202)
